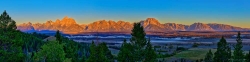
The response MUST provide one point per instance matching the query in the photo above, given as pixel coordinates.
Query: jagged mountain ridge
(64, 25)
(69, 25)
(224, 27)
(199, 27)
(108, 26)
(25, 27)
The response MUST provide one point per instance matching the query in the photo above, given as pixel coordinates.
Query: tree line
(224, 53)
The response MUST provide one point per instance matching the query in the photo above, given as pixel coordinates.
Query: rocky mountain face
(199, 27)
(25, 27)
(152, 24)
(65, 25)
(108, 26)
(68, 25)
(224, 27)
(175, 27)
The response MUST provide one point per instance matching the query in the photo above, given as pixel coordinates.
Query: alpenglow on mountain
(68, 25)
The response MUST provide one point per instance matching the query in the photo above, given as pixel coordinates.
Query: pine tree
(138, 36)
(138, 40)
(51, 52)
(238, 55)
(106, 52)
(247, 57)
(209, 56)
(6, 23)
(125, 53)
(223, 53)
(11, 40)
(150, 55)
(58, 36)
(101, 54)
(93, 53)
(71, 49)
(98, 53)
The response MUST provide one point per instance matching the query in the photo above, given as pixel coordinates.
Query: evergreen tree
(93, 53)
(11, 40)
(51, 52)
(138, 41)
(71, 49)
(238, 55)
(6, 23)
(74, 51)
(125, 53)
(102, 54)
(80, 56)
(138, 36)
(223, 53)
(98, 53)
(150, 55)
(106, 51)
(209, 56)
(58, 36)
(247, 57)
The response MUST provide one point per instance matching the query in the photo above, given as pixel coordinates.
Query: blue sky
(233, 12)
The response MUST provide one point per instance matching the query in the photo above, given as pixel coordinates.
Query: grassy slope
(193, 53)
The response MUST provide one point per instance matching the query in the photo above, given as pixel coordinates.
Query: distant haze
(232, 12)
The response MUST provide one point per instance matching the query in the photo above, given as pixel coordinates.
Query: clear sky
(233, 12)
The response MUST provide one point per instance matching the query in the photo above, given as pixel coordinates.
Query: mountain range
(68, 25)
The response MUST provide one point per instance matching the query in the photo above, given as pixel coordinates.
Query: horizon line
(126, 21)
